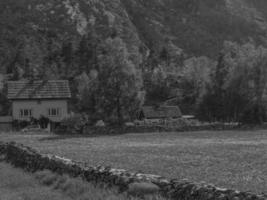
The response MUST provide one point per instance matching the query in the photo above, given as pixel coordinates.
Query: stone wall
(108, 130)
(31, 160)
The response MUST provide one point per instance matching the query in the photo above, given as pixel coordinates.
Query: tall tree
(195, 77)
(239, 84)
(115, 92)
(86, 54)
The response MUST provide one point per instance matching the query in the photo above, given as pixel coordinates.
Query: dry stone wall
(31, 160)
(93, 130)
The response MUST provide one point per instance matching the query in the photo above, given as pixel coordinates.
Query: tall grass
(77, 189)
(16, 184)
(45, 185)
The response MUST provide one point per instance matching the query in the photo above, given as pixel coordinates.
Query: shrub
(46, 177)
(254, 115)
(20, 124)
(73, 125)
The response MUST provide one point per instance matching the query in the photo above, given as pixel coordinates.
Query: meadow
(231, 159)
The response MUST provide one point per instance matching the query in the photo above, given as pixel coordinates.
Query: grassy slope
(16, 184)
(228, 159)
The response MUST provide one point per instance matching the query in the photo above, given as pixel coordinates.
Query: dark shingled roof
(153, 112)
(49, 89)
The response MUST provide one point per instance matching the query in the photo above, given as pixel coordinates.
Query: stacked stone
(31, 160)
(91, 130)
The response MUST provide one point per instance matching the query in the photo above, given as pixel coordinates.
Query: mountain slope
(198, 27)
(35, 32)
(32, 29)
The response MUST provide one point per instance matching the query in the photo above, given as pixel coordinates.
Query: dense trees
(238, 85)
(233, 88)
(113, 91)
(195, 80)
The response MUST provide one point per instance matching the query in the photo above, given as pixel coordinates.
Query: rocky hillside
(31, 29)
(198, 27)
(37, 32)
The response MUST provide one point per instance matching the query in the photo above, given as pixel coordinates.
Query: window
(54, 112)
(25, 113)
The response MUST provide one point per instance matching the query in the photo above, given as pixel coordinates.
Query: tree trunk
(119, 115)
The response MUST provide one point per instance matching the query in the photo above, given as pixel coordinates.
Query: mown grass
(16, 184)
(232, 159)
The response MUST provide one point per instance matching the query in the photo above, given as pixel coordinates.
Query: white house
(47, 98)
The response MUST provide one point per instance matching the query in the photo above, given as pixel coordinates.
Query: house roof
(153, 112)
(48, 89)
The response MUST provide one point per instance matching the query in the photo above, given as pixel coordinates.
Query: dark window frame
(25, 112)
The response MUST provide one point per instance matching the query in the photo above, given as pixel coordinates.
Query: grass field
(232, 159)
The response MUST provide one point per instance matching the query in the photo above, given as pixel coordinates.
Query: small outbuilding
(160, 112)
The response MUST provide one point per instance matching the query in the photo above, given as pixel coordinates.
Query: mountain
(199, 27)
(32, 29)
(36, 32)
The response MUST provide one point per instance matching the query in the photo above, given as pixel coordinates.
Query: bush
(254, 115)
(73, 125)
(20, 124)
(46, 177)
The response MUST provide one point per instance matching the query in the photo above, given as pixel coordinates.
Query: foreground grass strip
(76, 188)
(43, 185)
(16, 184)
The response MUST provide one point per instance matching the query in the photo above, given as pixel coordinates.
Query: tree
(4, 103)
(215, 98)
(164, 55)
(86, 54)
(195, 79)
(67, 56)
(248, 76)
(116, 92)
(157, 86)
(239, 84)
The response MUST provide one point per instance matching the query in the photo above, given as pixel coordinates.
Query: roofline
(38, 99)
(161, 106)
(166, 117)
(38, 80)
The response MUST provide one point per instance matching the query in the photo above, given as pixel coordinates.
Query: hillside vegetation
(171, 48)
(32, 30)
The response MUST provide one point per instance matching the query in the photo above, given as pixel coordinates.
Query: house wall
(39, 108)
